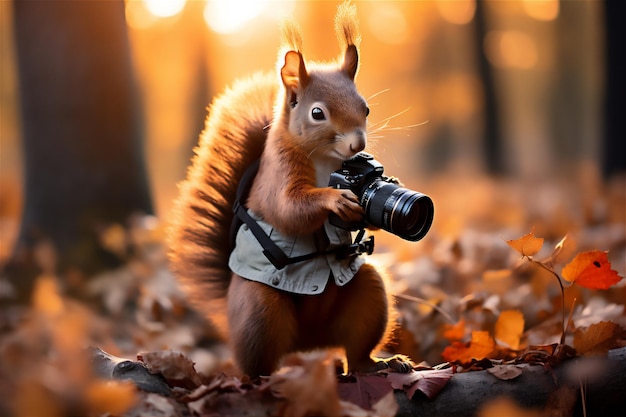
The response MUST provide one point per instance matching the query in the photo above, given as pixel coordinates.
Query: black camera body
(403, 212)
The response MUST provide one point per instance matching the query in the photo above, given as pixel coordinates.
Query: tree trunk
(492, 145)
(614, 161)
(82, 139)
(550, 391)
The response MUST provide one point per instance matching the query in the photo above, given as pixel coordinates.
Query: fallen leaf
(526, 245)
(429, 381)
(592, 270)
(509, 328)
(176, 368)
(597, 338)
(308, 384)
(454, 332)
(505, 372)
(365, 390)
(478, 348)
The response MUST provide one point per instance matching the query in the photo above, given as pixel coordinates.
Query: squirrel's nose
(358, 142)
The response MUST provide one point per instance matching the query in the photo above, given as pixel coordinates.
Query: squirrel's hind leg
(366, 322)
(261, 325)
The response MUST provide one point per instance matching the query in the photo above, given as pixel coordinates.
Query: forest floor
(481, 291)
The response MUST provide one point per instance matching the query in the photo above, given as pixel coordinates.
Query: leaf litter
(502, 312)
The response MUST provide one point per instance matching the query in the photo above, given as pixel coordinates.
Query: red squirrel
(302, 125)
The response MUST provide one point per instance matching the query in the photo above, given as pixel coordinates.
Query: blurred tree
(82, 138)
(492, 145)
(614, 155)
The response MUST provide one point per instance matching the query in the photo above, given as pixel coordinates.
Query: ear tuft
(347, 25)
(291, 36)
(347, 28)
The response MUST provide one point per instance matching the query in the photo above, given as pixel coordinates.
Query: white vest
(307, 277)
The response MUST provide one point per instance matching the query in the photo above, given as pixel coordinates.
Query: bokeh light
(388, 23)
(231, 16)
(458, 12)
(164, 8)
(511, 49)
(545, 10)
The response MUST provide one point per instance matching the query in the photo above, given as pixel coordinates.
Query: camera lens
(403, 212)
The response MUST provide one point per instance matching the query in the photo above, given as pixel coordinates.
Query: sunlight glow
(230, 16)
(459, 12)
(388, 23)
(137, 16)
(541, 9)
(164, 8)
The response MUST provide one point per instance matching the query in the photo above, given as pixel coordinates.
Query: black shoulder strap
(243, 190)
(271, 251)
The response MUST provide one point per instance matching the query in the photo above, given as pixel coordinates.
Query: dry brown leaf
(527, 245)
(597, 338)
(505, 372)
(429, 381)
(175, 367)
(308, 384)
(365, 390)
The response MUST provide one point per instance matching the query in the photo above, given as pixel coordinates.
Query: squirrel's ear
(351, 61)
(293, 72)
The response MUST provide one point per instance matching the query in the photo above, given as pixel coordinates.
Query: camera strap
(272, 252)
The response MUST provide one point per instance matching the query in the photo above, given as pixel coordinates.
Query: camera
(403, 212)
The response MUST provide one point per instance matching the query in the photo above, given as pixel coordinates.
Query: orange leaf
(480, 347)
(526, 245)
(454, 332)
(509, 328)
(592, 270)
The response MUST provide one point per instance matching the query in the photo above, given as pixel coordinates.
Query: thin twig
(429, 304)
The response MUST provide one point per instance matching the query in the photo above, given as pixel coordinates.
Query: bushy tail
(198, 235)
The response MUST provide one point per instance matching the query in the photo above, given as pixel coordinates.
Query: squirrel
(301, 126)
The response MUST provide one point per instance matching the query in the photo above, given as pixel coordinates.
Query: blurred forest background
(505, 112)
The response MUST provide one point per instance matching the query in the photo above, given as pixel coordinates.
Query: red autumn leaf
(479, 347)
(526, 245)
(591, 270)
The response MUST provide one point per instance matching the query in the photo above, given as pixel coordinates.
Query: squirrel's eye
(367, 111)
(317, 114)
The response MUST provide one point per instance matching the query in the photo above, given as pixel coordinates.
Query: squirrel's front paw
(345, 204)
